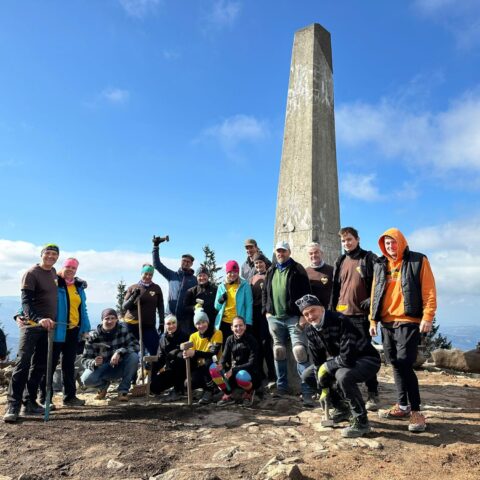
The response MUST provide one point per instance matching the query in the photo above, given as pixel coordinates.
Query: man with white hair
(319, 273)
(286, 281)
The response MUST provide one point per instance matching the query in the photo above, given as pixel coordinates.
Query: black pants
(265, 343)
(201, 379)
(309, 376)
(30, 365)
(173, 376)
(400, 348)
(346, 387)
(363, 324)
(68, 351)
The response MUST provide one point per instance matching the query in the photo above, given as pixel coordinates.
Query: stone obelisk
(307, 200)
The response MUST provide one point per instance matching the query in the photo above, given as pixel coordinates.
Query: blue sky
(124, 118)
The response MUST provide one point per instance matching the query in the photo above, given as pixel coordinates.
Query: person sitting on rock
(352, 358)
(111, 353)
(239, 365)
(207, 342)
(169, 370)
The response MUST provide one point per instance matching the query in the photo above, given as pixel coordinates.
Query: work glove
(223, 298)
(324, 379)
(156, 241)
(365, 305)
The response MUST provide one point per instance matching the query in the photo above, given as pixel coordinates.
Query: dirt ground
(147, 439)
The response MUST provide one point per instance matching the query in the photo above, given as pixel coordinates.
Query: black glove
(365, 305)
(223, 298)
(156, 241)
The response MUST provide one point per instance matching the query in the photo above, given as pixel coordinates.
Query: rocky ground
(274, 439)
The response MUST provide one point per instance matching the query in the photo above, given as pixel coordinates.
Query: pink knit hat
(232, 266)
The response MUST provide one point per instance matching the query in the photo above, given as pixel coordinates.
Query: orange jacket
(392, 304)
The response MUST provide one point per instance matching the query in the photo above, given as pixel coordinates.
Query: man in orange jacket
(404, 301)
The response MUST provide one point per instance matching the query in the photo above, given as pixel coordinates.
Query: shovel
(48, 396)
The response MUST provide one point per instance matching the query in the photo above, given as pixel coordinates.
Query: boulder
(455, 359)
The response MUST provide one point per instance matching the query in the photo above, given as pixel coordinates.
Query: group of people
(240, 333)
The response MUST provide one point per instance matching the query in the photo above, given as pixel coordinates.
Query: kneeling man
(111, 353)
(352, 359)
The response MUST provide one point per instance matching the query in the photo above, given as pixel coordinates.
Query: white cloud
(453, 251)
(102, 270)
(460, 17)
(237, 129)
(448, 140)
(115, 95)
(364, 187)
(360, 187)
(140, 8)
(223, 13)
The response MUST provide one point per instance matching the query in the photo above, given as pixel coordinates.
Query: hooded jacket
(403, 290)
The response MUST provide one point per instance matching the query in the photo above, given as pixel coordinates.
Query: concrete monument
(307, 199)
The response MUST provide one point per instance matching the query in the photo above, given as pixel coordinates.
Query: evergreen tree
(434, 340)
(121, 292)
(211, 264)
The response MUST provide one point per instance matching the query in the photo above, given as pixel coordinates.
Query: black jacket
(298, 285)
(367, 260)
(240, 354)
(3, 345)
(344, 339)
(205, 292)
(169, 349)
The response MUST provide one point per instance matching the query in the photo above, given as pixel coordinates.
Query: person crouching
(240, 364)
(110, 353)
(207, 342)
(352, 359)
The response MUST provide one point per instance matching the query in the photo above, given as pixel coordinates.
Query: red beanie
(232, 266)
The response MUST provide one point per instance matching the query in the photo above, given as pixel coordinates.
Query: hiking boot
(122, 397)
(372, 402)
(73, 402)
(33, 408)
(417, 422)
(11, 414)
(340, 415)
(395, 412)
(52, 405)
(172, 396)
(226, 400)
(248, 398)
(206, 398)
(358, 428)
(101, 394)
(308, 401)
(280, 393)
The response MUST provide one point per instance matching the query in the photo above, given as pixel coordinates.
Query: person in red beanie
(234, 298)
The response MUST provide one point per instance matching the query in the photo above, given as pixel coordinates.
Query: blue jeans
(102, 375)
(281, 330)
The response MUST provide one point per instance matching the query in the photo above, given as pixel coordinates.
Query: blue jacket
(178, 283)
(243, 302)
(63, 310)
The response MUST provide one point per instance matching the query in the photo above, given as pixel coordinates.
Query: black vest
(410, 282)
